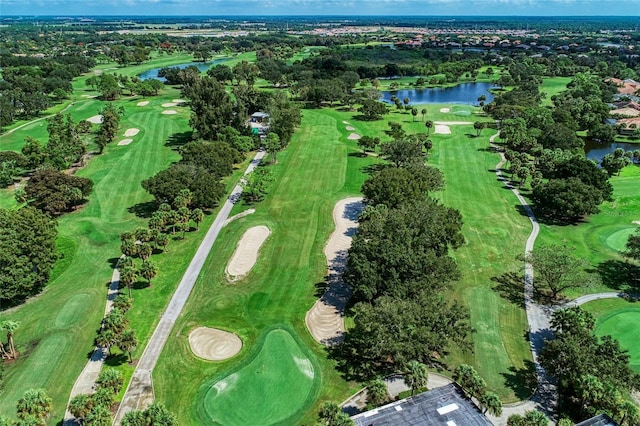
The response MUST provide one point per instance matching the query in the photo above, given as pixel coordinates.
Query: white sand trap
(239, 215)
(441, 129)
(131, 132)
(354, 136)
(169, 104)
(143, 103)
(637, 222)
(169, 112)
(178, 101)
(345, 122)
(125, 142)
(246, 252)
(325, 319)
(89, 96)
(350, 128)
(445, 110)
(96, 119)
(213, 344)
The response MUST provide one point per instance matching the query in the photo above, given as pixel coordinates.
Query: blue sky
(322, 7)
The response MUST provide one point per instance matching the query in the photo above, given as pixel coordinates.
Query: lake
(595, 151)
(465, 93)
(202, 66)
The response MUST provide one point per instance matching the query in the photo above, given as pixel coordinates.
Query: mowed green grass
(601, 237)
(312, 174)
(58, 326)
(553, 86)
(619, 318)
(276, 383)
(495, 234)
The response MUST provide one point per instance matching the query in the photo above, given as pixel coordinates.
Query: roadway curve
(139, 393)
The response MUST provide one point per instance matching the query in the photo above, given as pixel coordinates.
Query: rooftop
(444, 406)
(600, 420)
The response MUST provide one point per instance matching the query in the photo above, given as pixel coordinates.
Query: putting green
(272, 387)
(618, 239)
(461, 110)
(622, 324)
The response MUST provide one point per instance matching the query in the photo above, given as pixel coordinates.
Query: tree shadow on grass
(176, 140)
(522, 381)
(144, 209)
(113, 263)
(372, 168)
(115, 360)
(510, 286)
(619, 275)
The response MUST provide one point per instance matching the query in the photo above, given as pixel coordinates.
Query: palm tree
(110, 378)
(414, 113)
(99, 416)
(105, 339)
(416, 376)
(197, 215)
(144, 250)
(128, 276)
(377, 392)
(148, 270)
(80, 406)
(423, 111)
(10, 328)
(34, 404)
(163, 241)
(428, 124)
(491, 403)
(128, 343)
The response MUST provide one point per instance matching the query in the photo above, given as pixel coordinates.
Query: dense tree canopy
(27, 253)
(582, 361)
(165, 186)
(56, 192)
(393, 186)
(211, 107)
(404, 251)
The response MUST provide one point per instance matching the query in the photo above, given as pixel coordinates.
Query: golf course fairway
(274, 386)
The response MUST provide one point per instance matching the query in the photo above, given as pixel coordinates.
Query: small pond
(465, 93)
(202, 66)
(595, 151)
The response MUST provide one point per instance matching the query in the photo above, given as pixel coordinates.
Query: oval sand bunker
(169, 112)
(246, 253)
(213, 344)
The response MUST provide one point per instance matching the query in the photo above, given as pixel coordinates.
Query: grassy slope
(311, 175)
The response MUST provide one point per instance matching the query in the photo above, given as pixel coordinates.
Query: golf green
(272, 387)
(622, 324)
(618, 240)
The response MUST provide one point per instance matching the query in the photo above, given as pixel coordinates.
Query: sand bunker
(246, 252)
(441, 129)
(354, 136)
(131, 132)
(350, 128)
(239, 215)
(143, 103)
(169, 112)
(325, 320)
(445, 110)
(178, 101)
(213, 344)
(125, 142)
(345, 122)
(169, 104)
(96, 119)
(637, 222)
(89, 96)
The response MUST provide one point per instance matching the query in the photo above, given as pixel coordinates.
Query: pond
(202, 66)
(595, 151)
(465, 93)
